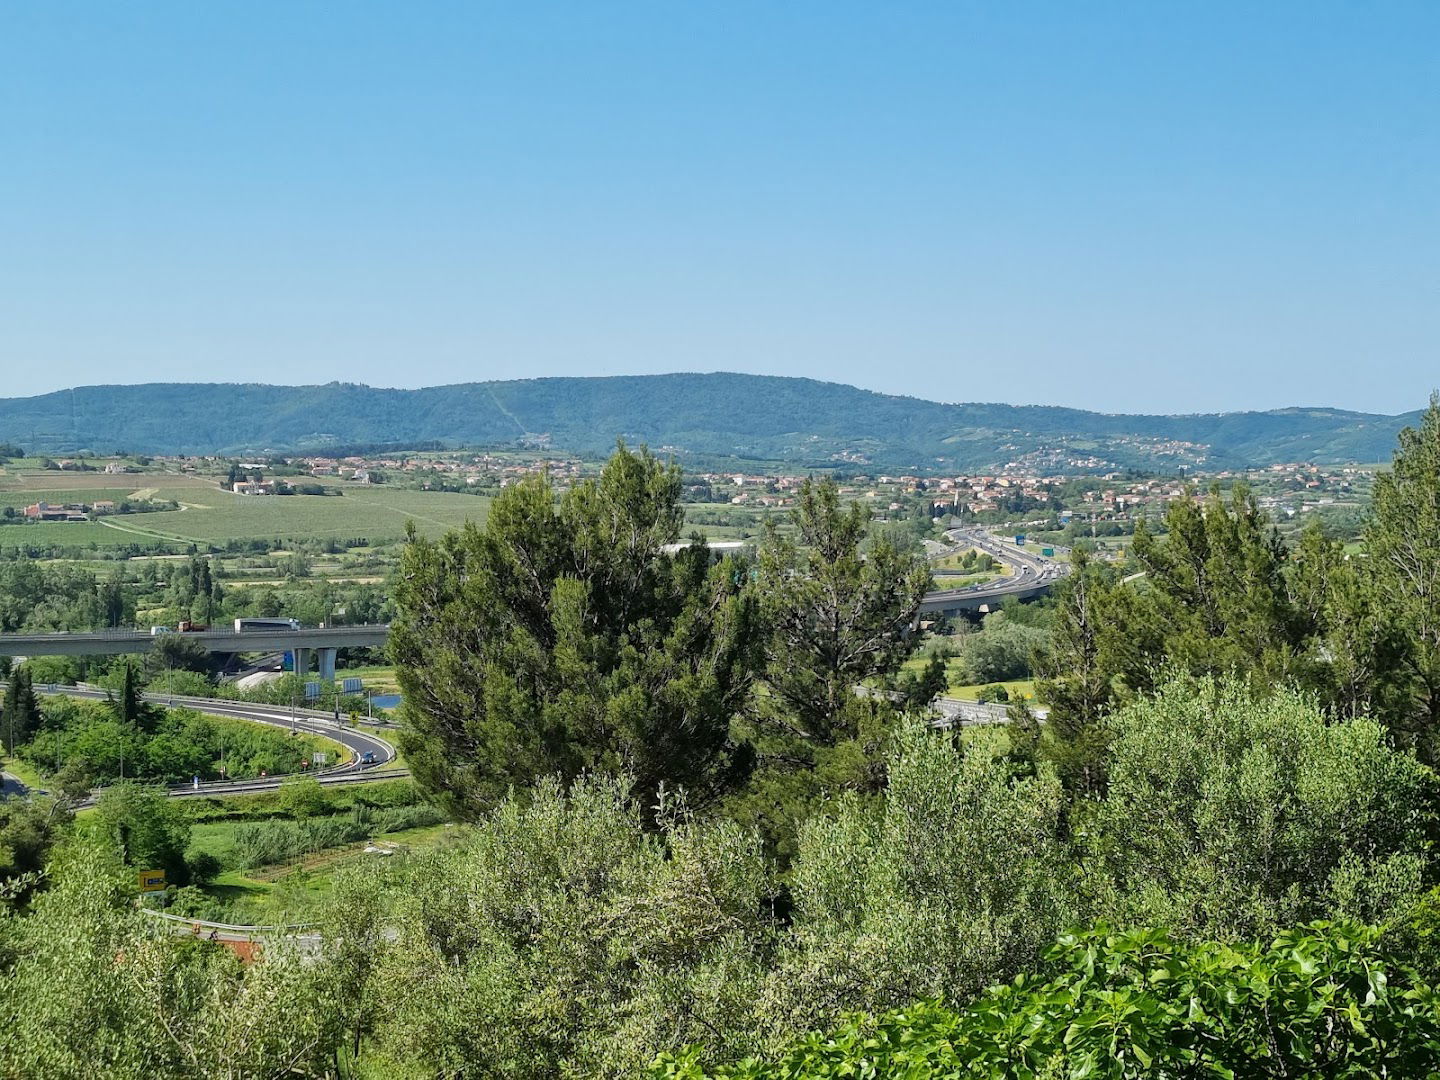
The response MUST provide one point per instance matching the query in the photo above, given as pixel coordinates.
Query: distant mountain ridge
(694, 416)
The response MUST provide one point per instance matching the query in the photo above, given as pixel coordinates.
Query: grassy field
(88, 534)
(968, 691)
(374, 513)
(60, 496)
(747, 522)
(950, 580)
(953, 563)
(41, 480)
(24, 771)
(1017, 688)
(208, 513)
(378, 677)
(289, 892)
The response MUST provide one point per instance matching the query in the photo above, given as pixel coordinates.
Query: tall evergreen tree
(1358, 654)
(1077, 676)
(839, 612)
(116, 606)
(128, 703)
(1215, 598)
(921, 691)
(838, 604)
(1403, 546)
(570, 635)
(20, 718)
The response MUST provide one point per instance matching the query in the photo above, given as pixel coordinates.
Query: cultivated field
(209, 513)
(375, 513)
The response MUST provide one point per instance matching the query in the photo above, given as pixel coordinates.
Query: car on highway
(367, 758)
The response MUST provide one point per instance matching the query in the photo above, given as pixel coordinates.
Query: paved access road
(358, 742)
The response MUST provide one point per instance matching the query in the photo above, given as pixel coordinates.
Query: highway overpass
(1030, 576)
(320, 643)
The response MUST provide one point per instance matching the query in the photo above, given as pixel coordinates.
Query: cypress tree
(20, 718)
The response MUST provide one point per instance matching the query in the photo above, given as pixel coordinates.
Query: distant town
(1286, 490)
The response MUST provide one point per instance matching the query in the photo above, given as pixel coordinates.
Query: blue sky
(1162, 207)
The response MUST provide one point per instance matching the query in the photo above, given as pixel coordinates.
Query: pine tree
(1215, 598)
(1403, 547)
(838, 612)
(1076, 681)
(563, 637)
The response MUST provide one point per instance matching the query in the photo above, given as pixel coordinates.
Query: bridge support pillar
(327, 663)
(302, 661)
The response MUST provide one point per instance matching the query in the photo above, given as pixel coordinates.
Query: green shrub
(266, 843)
(1323, 1001)
(204, 865)
(408, 817)
(303, 797)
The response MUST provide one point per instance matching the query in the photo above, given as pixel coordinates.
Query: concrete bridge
(310, 644)
(984, 598)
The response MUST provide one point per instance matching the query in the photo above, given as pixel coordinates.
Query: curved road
(1032, 574)
(353, 739)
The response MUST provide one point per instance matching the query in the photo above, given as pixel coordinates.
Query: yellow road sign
(152, 880)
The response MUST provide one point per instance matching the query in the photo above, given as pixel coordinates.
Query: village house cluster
(471, 470)
(44, 511)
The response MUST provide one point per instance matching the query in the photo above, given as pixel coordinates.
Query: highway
(358, 742)
(1031, 575)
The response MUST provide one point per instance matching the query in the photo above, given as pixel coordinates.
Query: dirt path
(111, 523)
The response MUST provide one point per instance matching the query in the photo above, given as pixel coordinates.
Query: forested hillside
(691, 415)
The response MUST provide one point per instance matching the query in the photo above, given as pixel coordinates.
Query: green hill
(696, 417)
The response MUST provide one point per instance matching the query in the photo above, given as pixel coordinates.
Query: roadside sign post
(152, 881)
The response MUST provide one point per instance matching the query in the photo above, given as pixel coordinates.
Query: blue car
(367, 758)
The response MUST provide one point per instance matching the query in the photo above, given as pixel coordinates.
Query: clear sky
(1124, 206)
